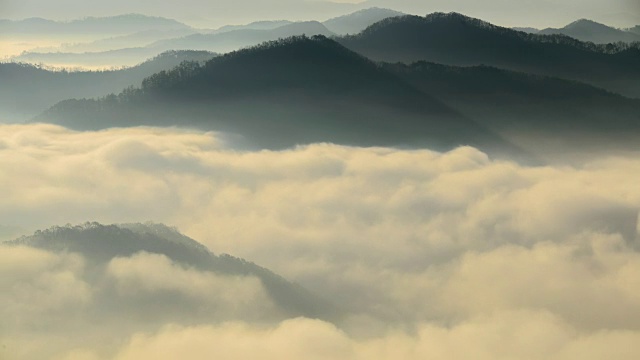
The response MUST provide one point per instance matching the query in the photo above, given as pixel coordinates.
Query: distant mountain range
(137, 39)
(256, 25)
(122, 24)
(454, 39)
(587, 30)
(219, 42)
(236, 39)
(99, 244)
(133, 48)
(26, 90)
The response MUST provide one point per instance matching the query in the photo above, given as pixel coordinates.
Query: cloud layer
(442, 255)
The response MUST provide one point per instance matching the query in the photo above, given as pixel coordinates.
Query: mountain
(236, 39)
(531, 110)
(26, 90)
(256, 25)
(455, 39)
(294, 91)
(356, 22)
(217, 42)
(122, 24)
(635, 30)
(587, 30)
(137, 39)
(99, 244)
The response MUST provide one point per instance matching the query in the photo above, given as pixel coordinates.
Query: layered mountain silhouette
(26, 90)
(455, 39)
(304, 90)
(358, 21)
(236, 39)
(137, 39)
(587, 30)
(122, 24)
(219, 42)
(294, 91)
(99, 244)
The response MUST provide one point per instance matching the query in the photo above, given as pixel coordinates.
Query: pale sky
(208, 13)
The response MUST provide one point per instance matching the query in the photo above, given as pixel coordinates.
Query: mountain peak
(582, 23)
(357, 21)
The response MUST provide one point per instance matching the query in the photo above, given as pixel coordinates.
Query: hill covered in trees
(455, 39)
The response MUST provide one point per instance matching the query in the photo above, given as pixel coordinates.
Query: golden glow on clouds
(440, 256)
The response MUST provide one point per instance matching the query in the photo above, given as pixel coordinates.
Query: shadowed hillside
(569, 113)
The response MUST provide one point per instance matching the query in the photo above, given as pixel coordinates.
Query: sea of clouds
(431, 255)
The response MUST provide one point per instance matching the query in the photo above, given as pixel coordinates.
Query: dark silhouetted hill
(26, 90)
(356, 22)
(454, 39)
(99, 244)
(587, 30)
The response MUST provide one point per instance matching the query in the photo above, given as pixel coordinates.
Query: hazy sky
(205, 13)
